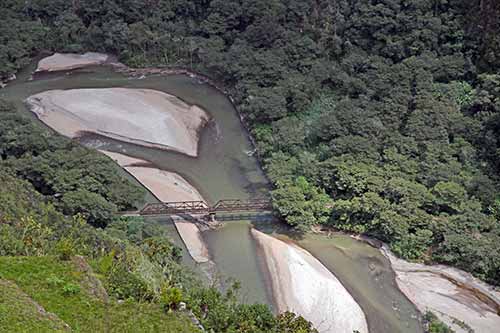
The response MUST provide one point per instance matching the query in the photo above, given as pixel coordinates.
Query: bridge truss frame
(201, 207)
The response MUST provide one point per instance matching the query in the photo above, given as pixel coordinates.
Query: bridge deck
(201, 207)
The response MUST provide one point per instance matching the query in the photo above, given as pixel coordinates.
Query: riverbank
(142, 116)
(301, 284)
(70, 61)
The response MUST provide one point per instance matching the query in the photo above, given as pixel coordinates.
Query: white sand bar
(142, 116)
(69, 61)
(303, 285)
(191, 236)
(168, 187)
(453, 295)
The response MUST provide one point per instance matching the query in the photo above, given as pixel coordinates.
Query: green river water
(225, 169)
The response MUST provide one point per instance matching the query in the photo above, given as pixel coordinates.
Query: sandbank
(303, 285)
(191, 235)
(69, 61)
(141, 116)
(166, 186)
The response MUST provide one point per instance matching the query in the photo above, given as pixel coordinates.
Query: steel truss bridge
(202, 208)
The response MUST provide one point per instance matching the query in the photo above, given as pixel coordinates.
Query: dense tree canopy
(390, 107)
(75, 179)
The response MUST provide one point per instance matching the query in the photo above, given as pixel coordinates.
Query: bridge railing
(201, 207)
(168, 208)
(242, 205)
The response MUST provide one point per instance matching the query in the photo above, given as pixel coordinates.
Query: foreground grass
(18, 313)
(56, 286)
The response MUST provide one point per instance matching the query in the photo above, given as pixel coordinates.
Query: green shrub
(71, 289)
(106, 263)
(10, 244)
(54, 280)
(94, 208)
(124, 284)
(170, 297)
(65, 249)
(434, 325)
(289, 322)
(495, 209)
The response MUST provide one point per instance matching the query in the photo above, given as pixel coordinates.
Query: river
(225, 169)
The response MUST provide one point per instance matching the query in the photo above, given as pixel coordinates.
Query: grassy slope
(44, 278)
(15, 309)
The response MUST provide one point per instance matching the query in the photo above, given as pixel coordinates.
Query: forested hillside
(386, 110)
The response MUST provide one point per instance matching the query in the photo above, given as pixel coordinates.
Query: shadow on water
(254, 218)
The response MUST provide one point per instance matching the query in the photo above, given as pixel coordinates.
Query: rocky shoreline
(459, 299)
(456, 297)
